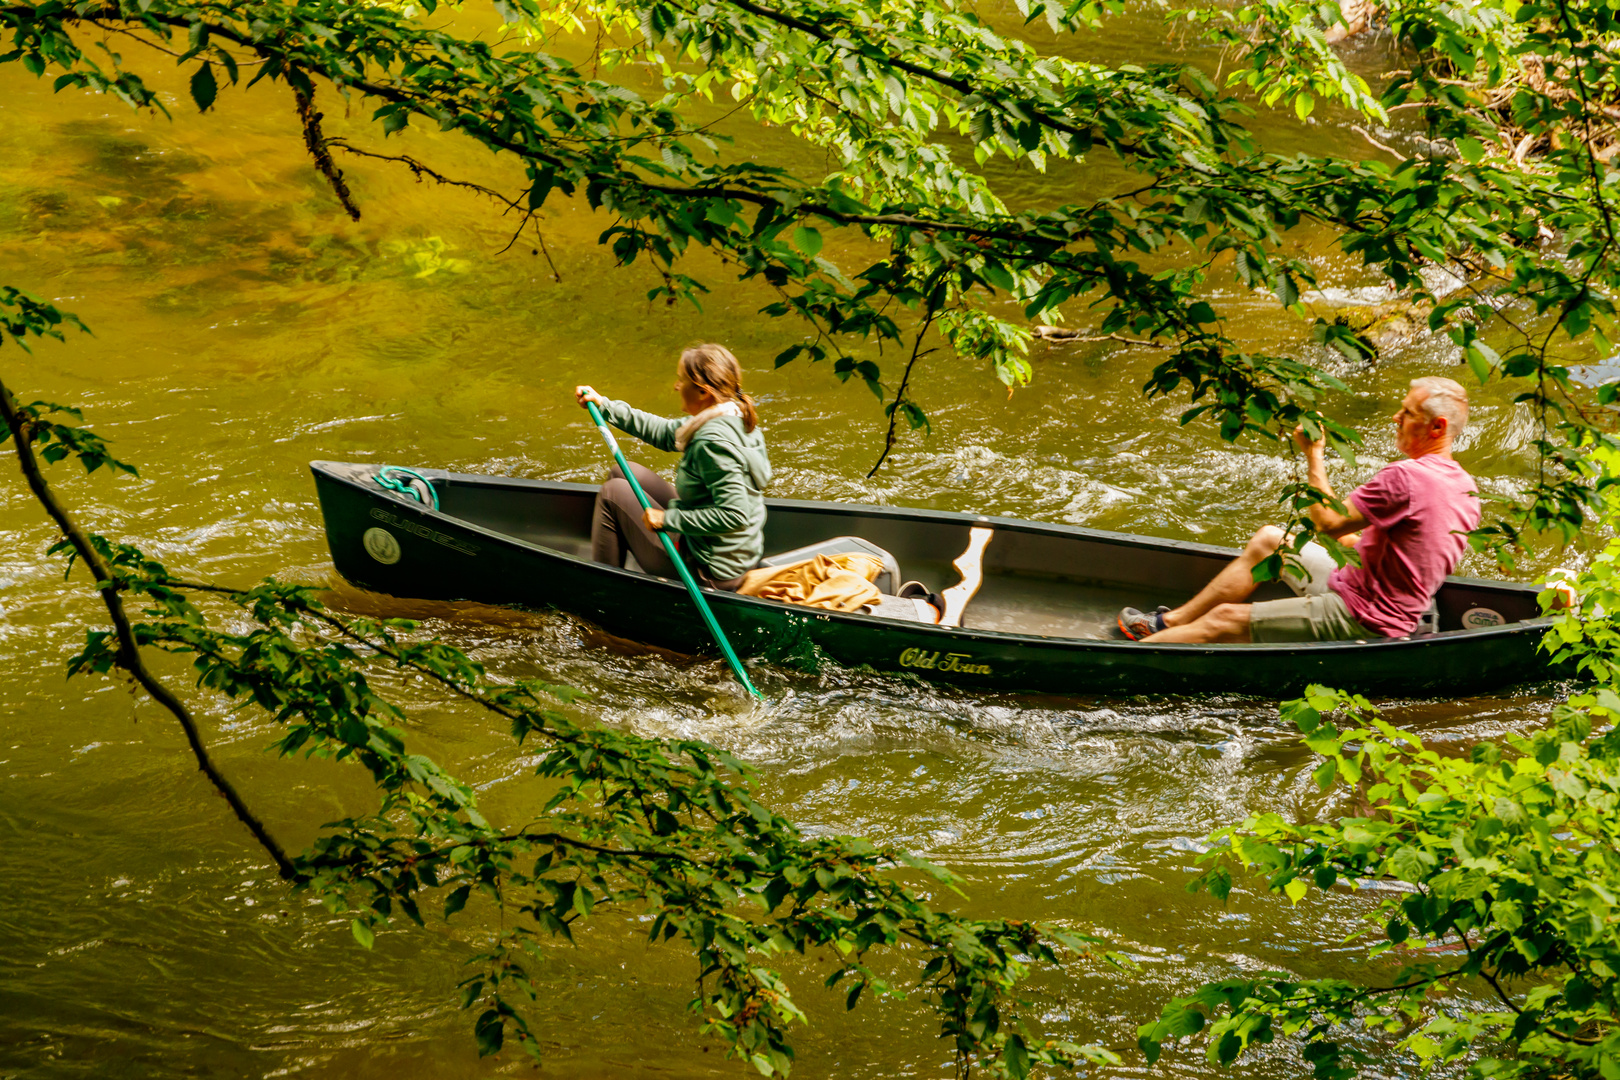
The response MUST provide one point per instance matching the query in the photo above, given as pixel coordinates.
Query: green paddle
(674, 556)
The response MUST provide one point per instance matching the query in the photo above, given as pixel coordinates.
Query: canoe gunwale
(945, 634)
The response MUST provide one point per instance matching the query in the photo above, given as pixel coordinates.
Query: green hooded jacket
(719, 505)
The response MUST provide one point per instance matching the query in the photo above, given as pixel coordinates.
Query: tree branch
(129, 657)
(1059, 334)
(317, 143)
(961, 86)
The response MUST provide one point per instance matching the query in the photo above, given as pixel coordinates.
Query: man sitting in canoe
(717, 503)
(1411, 516)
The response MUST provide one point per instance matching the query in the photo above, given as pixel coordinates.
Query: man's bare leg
(1223, 622)
(1234, 584)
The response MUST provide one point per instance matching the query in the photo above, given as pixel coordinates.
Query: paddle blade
(970, 565)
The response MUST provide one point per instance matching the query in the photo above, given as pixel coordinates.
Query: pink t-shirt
(1418, 510)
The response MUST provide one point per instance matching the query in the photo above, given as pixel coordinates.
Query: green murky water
(244, 326)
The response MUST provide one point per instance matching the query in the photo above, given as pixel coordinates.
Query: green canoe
(1042, 621)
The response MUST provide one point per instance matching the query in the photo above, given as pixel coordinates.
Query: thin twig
(900, 392)
(1390, 150)
(422, 170)
(540, 236)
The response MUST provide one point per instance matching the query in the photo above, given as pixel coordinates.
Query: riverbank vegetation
(904, 240)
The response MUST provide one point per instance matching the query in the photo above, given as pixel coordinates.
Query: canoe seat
(888, 581)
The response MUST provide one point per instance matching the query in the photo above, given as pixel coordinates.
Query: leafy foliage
(893, 92)
(66, 440)
(1506, 877)
(23, 316)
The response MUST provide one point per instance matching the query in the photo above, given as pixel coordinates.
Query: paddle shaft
(674, 556)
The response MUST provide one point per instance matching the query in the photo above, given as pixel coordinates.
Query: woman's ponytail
(750, 417)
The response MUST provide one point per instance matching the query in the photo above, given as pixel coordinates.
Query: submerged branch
(1060, 333)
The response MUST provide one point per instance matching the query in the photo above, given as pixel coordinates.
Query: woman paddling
(717, 503)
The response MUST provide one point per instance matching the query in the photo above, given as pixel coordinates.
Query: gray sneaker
(1137, 625)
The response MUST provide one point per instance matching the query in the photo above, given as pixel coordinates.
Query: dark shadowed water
(244, 326)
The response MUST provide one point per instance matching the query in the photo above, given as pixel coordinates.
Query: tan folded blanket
(836, 582)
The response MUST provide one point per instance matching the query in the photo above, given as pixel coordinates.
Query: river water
(244, 326)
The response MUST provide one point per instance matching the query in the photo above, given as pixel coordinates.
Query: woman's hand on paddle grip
(653, 518)
(582, 394)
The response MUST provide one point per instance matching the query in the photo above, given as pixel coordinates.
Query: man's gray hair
(1447, 398)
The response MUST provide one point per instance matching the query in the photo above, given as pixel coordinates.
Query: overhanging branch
(129, 657)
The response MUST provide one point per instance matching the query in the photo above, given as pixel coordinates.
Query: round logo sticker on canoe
(381, 545)
(1476, 617)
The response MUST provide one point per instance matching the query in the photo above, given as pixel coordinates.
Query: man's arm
(1327, 520)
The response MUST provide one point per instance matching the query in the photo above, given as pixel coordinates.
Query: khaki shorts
(1310, 576)
(1317, 617)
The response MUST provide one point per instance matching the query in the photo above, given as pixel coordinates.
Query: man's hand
(1326, 519)
(653, 518)
(582, 394)
(1312, 447)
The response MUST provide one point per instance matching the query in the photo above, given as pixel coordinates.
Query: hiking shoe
(1137, 625)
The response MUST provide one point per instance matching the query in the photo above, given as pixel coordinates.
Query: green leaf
(1017, 1057)
(456, 900)
(362, 933)
(998, 275)
(490, 1032)
(807, 240)
(1411, 864)
(1471, 150)
(203, 88)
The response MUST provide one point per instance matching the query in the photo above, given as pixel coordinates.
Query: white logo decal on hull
(381, 545)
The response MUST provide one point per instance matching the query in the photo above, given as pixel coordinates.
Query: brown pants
(617, 528)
